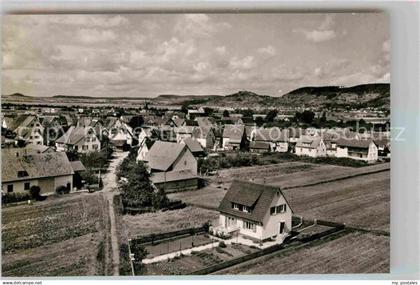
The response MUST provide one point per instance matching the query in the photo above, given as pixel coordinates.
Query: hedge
(15, 197)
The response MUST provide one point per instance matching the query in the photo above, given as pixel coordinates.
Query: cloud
(324, 32)
(221, 50)
(242, 63)
(268, 50)
(319, 36)
(92, 36)
(198, 26)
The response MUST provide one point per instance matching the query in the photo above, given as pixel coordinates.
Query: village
(192, 189)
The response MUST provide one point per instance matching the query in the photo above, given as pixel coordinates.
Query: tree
(307, 117)
(138, 188)
(136, 122)
(323, 118)
(225, 113)
(72, 155)
(184, 108)
(259, 121)
(35, 192)
(271, 115)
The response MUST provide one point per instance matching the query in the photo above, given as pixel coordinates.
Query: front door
(281, 227)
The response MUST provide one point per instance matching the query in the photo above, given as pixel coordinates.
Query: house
(78, 169)
(120, 134)
(175, 181)
(257, 211)
(80, 139)
(234, 137)
(192, 114)
(205, 133)
(144, 148)
(169, 156)
(259, 147)
(275, 137)
(312, 146)
(359, 149)
(194, 146)
(183, 133)
(27, 128)
(173, 166)
(48, 170)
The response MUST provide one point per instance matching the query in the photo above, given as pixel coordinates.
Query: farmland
(352, 253)
(361, 201)
(65, 236)
(159, 222)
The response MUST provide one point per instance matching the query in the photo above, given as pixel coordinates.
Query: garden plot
(198, 260)
(176, 244)
(57, 237)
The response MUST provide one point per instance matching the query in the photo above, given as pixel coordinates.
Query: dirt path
(109, 190)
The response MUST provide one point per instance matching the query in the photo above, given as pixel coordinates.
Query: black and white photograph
(195, 144)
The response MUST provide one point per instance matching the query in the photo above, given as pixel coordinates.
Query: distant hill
(365, 95)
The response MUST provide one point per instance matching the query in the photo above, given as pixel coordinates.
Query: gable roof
(77, 165)
(308, 142)
(193, 145)
(256, 196)
(73, 135)
(234, 133)
(259, 145)
(362, 143)
(49, 164)
(271, 135)
(163, 154)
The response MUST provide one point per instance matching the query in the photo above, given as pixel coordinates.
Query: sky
(145, 55)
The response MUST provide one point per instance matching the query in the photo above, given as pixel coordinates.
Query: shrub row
(15, 197)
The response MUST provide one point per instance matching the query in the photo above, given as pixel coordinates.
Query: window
(27, 186)
(278, 209)
(95, 146)
(84, 147)
(94, 139)
(87, 139)
(9, 188)
(22, 173)
(235, 206)
(281, 227)
(250, 226)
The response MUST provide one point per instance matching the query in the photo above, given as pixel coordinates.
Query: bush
(35, 192)
(62, 190)
(222, 244)
(15, 197)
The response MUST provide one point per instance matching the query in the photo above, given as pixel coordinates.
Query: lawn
(208, 197)
(177, 244)
(168, 221)
(197, 260)
(57, 237)
(352, 253)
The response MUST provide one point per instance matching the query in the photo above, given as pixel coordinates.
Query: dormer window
(22, 173)
(241, 208)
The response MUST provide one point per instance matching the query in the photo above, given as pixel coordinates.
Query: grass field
(351, 253)
(59, 237)
(160, 222)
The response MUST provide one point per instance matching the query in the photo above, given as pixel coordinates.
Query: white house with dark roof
(277, 139)
(359, 149)
(80, 139)
(20, 171)
(312, 146)
(234, 137)
(260, 212)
